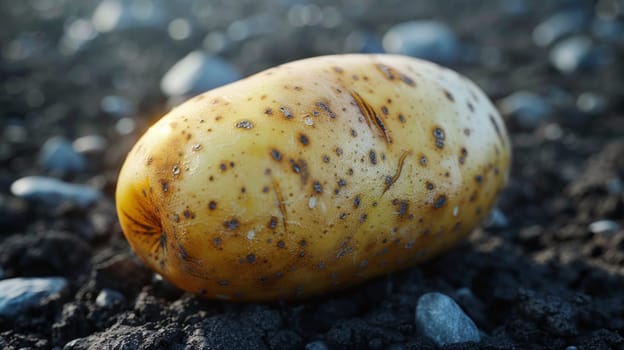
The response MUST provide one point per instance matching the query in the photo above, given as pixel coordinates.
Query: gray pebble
(609, 30)
(113, 15)
(90, 144)
(431, 40)
(58, 155)
(52, 192)
(558, 26)
(576, 54)
(591, 103)
(316, 345)
(603, 226)
(497, 219)
(108, 298)
(526, 108)
(116, 105)
(441, 319)
(19, 294)
(197, 72)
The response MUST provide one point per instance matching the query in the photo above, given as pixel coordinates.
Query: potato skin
(312, 176)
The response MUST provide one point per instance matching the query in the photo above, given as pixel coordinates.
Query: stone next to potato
(312, 176)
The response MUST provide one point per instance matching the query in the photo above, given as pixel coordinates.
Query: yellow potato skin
(312, 176)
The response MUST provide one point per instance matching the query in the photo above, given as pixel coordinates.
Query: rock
(426, 39)
(559, 25)
(525, 108)
(363, 42)
(576, 54)
(497, 219)
(116, 105)
(441, 319)
(603, 227)
(609, 30)
(19, 294)
(221, 332)
(591, 103)
(90, 144)
(57, 154)
(52, 192)
(122, 336)
(113, 15)
(197, 72)
(109, 298)
(316, 345)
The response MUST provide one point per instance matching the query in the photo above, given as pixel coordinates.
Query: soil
(539, 279)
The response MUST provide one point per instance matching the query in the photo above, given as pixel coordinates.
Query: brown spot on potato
(272, 223)
(231, 224)
(325, 107)
(438, 134)
(439, 202)
(277, 155)
(303, 138)
(212, 205)
(286, 112)
(317, 187)
(244, 124)
(268, 111)
(373, 157)
(449, 96)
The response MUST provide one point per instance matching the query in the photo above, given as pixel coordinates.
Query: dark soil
(542, 279)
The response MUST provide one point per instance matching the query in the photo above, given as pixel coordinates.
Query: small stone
(431, 40)
(109, 298)
(316, 345)
(525, 108)
(575, 55)
(19, 294)
(603, 227)
(609, 30)
(116, 105)
(112, 15)
(90, 144)
(197, 72)
(559, 26)
(441, 319)
(497, 219)
(52, 192)
(591, 103)
(57, 154)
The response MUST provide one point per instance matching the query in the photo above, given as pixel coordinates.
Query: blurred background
(80, 80)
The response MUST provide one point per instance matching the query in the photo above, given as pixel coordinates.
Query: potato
(312, 176)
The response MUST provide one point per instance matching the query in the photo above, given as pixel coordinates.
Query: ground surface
(539, 277)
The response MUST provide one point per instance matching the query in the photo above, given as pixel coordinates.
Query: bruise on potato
(312, 176)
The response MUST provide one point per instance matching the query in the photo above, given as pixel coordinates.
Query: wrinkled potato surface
(312, 176)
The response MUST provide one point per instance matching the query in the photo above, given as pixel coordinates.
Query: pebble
(558, 26)
(113, 15)
(90, 144)
(52, 192)
(441, 319)
(591, 103)
(109, 298)
(58, 155)
(427, 39)
(576, 54)
(526, 108)
(497, 219)
(197, 72)
(316, 345)
(603, 227)
(609, 30)
(19, 294)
